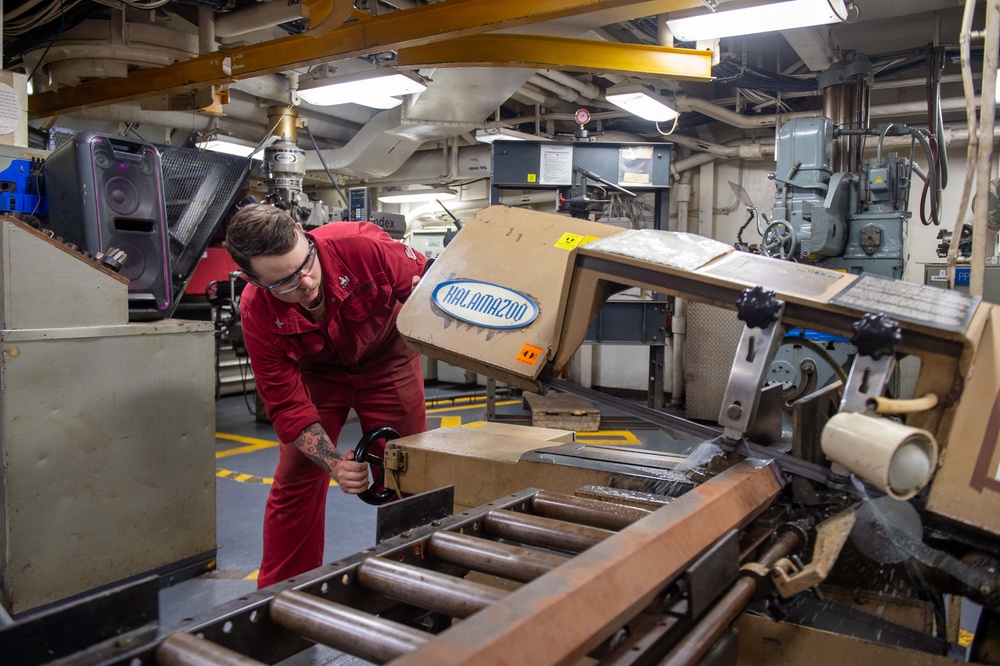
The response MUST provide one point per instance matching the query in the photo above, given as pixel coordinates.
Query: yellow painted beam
(580, 55)
(422, 25)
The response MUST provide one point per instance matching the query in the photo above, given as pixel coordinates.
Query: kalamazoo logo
(484, 304)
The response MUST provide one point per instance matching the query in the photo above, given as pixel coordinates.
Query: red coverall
(308, 372)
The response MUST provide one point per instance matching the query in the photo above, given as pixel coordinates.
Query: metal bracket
(712, 573)
(394, 458)
(876, 337)
(831, 535)
(757, 349)
(399, 517)
(866, 382)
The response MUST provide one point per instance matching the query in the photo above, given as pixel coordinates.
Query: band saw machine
(850, 535)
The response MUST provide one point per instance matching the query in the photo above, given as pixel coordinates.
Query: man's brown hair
(259, 230)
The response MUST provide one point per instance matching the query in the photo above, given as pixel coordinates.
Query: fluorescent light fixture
(378, 89)
(229, 146)
(763, 18)
(641, 101)
(418, 195)
(491, 134)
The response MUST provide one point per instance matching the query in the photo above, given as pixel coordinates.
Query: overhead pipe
(450, 160)
(588, 90)
(258, 16)
(663, 35)
(543, 94)
(919, 108)
(752, 150)
(184, 120)
(730, 117)
(678, 323)
(564, 93)
(423, 166)
(206, 30)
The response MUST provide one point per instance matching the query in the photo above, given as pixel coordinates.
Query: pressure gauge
(582, 117)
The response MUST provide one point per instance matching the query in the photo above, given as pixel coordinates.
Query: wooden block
(561, 410)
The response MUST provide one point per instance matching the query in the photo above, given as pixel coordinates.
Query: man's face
(293, 277)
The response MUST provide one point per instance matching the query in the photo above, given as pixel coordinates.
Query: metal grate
(713, 334)
(993, 210)
(199, 187)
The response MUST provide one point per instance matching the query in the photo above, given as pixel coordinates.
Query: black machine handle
(362, 454)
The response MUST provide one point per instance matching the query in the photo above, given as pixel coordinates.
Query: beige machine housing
(955, 336)
(107, 430)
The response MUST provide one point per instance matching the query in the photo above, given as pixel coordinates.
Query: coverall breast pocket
(366, 307)
(304, 345)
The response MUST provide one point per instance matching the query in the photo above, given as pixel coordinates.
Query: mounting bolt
(734, 411)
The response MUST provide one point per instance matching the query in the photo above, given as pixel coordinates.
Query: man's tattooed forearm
(316, 445)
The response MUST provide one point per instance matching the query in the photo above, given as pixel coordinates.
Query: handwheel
(779, 240)
(362, 454)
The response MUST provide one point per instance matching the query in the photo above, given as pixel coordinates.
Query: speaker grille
(130, 208)
(105, 191)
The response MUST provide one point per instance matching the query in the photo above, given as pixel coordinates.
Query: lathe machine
(848, 537)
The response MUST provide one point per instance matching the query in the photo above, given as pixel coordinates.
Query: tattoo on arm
(316, 445)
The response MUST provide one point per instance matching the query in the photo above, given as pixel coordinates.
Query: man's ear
(299, 225)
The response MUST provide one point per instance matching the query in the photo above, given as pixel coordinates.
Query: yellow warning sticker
(529, 354)
(588, 239)
(532, 177)
(569, 241)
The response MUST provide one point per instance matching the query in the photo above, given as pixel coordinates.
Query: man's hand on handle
(352, 477)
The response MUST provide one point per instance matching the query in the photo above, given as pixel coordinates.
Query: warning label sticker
(530, 354)
(569, 241)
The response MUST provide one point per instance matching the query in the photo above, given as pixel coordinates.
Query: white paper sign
(556, 165)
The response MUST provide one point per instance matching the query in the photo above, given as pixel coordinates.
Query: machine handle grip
(876, 335)
(373, 495)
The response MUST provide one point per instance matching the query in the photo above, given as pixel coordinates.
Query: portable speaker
(107, 191)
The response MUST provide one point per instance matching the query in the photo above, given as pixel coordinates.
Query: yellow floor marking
(253, 444)
(965, 638)
(621, 438)
(246, 440)
(451, 421)
(253, 575)
(240, 477)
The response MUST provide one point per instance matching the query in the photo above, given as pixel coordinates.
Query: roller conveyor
(397, 602)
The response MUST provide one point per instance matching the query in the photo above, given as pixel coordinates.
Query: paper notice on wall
(10, 109)
(556, 165)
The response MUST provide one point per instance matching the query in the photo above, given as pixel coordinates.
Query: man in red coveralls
(319, 320)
